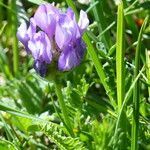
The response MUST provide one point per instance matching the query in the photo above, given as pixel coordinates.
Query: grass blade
(120, 56)
(120, 72)
(136, 91)
(15, 45)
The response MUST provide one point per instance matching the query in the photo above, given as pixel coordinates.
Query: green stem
(15, 41)
(136, 91)
(63, 108)
(120, 56)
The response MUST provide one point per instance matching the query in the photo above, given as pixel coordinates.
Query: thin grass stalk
(131, 6)
(135, 11)
(91, 6)
(136, 91)
(95, 59)
(98, 14)
(120, 56)
(107, 29)
(131, 23)
(15, 41)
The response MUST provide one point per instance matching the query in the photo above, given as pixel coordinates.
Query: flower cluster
(54, 36)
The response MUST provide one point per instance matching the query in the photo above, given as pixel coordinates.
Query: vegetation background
(106, 98)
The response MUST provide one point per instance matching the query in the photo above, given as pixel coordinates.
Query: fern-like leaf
(58, 137)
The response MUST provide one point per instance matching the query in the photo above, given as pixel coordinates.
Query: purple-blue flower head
(68, 37)
(54, 36)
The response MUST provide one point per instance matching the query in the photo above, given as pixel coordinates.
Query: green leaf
(21, 122)
(63, 142)
(33, 128)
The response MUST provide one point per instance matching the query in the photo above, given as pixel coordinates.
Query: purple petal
(71, 56)
(67, 30)
(62, 36)
(24, 34)
(83, 21)
(70, 13)
(40, 47)
(45, 18)
(32, 28)
(40, 67)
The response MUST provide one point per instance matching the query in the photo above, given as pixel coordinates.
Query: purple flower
(54, 36)
(68, 37)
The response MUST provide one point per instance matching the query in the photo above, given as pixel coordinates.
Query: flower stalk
(63, 108)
